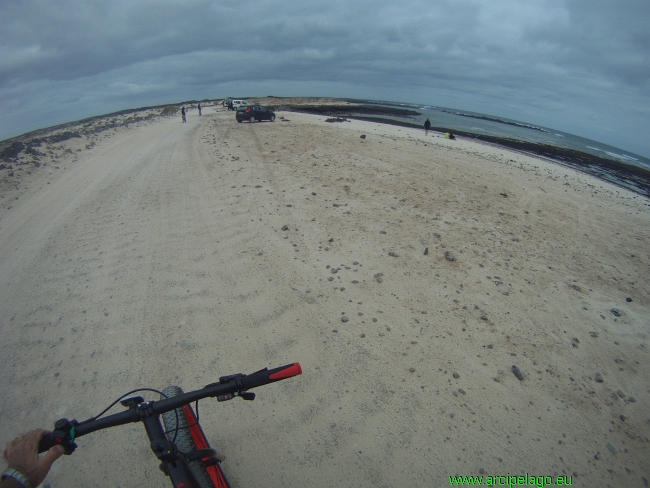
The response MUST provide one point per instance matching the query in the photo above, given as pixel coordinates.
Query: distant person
(230, 105)
(199, 108)
(427, 127)
(183, 114)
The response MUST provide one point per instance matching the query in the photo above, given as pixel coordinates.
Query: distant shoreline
(628, 176)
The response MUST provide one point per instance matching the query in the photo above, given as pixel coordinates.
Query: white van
(238, 103)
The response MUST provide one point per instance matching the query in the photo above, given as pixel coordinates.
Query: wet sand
(156, 256)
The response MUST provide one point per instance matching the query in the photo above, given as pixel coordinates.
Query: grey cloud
(525, 60)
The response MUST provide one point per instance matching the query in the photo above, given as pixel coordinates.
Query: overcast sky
(580, 66)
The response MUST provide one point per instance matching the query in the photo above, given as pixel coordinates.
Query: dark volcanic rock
(517, 372)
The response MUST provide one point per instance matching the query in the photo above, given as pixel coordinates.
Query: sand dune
(157, 257)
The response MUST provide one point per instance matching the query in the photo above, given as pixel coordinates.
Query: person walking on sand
(199, 109)
(183, 114)
(427, 127)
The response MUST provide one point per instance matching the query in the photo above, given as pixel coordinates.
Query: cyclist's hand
(22, 454)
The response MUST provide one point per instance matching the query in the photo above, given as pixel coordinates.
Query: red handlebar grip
(266, 376)
(292, 370)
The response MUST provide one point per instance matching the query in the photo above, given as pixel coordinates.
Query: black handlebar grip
(50, 440)
(266, 376)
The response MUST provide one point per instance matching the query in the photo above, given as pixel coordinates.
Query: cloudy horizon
(582, 67)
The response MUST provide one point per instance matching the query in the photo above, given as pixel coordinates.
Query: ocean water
(477, 123)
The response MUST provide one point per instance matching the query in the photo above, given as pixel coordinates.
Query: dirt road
(159, 257)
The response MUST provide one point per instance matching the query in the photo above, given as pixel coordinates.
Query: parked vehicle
(238, 103)
(253, 113)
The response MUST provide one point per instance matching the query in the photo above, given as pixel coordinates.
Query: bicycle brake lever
(225, 379)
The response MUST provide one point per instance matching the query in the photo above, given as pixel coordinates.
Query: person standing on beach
(183, 114)
(199, 108)
(427, 127)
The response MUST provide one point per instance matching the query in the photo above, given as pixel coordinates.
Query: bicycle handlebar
(228, 387)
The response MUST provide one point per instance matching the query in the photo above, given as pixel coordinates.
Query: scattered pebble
(355, 263)
(393, 254)
(517, 372)
(628, 299)
(285, 227)
(449, 256)
(610, 448)
(615, 312)
(382, 231)
(412, 370)
(593, 334)
(341, 288)
(456, 375)
(426, 251)
(331, 239)
(344, 319)
(379, 277)
(362, 335)
(374, 319)
(360, 314)
(598, 378)
(355, 282)
(331, 278)
(362, 136)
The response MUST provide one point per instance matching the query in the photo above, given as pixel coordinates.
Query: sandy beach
(155, 254)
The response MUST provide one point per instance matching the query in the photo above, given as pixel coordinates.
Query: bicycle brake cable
(176, 429)
(116, 401)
